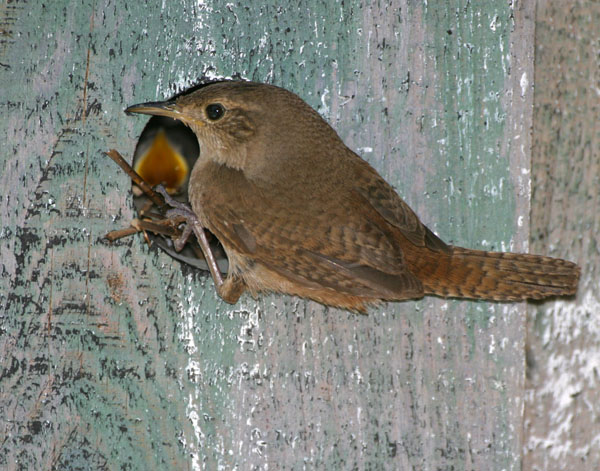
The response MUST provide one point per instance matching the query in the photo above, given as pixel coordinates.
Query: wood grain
(563, 387)
(112, 356)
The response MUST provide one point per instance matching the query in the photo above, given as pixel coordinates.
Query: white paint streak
(570, 320)
(186, 335)
(492, 347)
(194, 373)
(524, 82)
(324, 109)
(572, 374)
(494, 23)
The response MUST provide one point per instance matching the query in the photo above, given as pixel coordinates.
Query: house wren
(298, 212)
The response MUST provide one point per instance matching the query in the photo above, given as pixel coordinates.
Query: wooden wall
(114, 357)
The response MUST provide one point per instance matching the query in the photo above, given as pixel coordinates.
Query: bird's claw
(192, 224)
(172, 202)
(178, 209)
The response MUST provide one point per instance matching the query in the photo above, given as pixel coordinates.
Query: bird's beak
(157, 108)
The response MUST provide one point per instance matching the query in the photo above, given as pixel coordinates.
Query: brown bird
(298, 212)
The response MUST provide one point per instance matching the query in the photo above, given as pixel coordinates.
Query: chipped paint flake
(524, 83)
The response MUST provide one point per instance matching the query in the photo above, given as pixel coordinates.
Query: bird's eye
(215, 111)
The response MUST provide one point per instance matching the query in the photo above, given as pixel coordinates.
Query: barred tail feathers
(497, 276)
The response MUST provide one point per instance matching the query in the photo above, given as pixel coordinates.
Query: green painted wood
(563, 399)
(113, 357)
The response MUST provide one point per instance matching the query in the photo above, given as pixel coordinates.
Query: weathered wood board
(562, 419)
(113, 357)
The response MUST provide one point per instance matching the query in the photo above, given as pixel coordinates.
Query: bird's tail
(497, 276)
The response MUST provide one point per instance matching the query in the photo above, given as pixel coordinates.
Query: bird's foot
(179, 209)
(193, 225)
(231, 289)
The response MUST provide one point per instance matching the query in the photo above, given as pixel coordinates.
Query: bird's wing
(343, 244)
(383, 198)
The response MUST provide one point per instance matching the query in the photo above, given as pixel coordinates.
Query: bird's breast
(214, 185)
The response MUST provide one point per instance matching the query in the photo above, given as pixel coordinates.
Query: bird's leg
(192, 224)
(229, 289)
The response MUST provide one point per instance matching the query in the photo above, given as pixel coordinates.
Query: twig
(167, 227)
(115, 235)
(139, 181)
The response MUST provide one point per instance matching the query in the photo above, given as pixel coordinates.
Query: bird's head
(244, 124)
